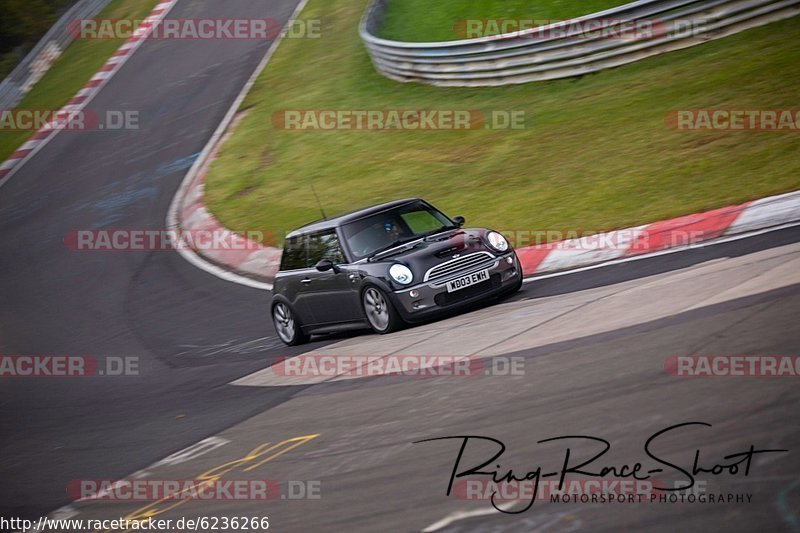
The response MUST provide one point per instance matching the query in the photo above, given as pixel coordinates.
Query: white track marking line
(192, 452)
(188, 180)
(683, 248)
(461, 515)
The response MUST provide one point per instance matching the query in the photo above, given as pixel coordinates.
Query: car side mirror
(323, 265)
(460, 221)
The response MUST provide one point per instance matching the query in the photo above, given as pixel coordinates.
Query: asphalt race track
(593, 344)
(593, 363)
(191, 331)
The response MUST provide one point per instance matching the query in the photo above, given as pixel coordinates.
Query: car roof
(334, 222)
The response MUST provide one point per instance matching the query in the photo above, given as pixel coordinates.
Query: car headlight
(497, 241)
(401, 274)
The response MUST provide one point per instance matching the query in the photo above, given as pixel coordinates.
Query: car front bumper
(433, 298)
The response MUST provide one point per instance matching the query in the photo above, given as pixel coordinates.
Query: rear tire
(287, 326)
(381, 315)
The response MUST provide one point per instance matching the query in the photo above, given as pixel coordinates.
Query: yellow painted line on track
(263, 453)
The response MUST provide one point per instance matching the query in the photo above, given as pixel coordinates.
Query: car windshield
(373, 234)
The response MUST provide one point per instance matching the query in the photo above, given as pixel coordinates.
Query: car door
(332, 295)
(296, 273)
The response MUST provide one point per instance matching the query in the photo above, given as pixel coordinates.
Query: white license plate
(466, 281)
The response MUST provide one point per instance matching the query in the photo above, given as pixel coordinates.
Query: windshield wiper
(402, 244)
(437, 231)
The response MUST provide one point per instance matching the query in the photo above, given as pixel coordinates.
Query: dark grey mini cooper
(385, 266)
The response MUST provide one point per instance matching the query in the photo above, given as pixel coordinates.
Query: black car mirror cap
(323, 265)
(459, 220)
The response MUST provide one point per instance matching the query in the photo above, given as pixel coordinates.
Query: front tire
(287, 326)
(381, 315)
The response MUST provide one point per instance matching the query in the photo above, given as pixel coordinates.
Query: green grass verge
(7, 63)
(595, 154)
(423, 20)
(73, 69)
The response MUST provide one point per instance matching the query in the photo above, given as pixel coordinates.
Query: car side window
(324, 245)
(294, 253)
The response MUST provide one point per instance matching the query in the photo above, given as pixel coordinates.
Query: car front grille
(461, 265)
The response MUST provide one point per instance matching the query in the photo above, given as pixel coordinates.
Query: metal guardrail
(20, 80)
(542, 53)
